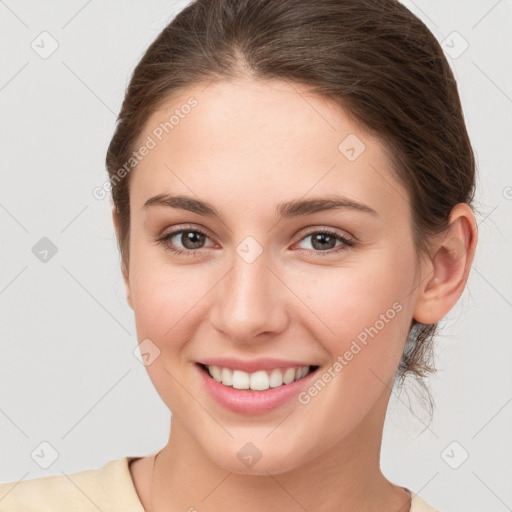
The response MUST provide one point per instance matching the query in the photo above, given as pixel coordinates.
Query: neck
(348, 477)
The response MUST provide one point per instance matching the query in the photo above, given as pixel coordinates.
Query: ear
(445, 274)
(124, 269)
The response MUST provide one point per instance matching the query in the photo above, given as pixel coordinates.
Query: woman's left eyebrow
(294, 208)
(309, 206)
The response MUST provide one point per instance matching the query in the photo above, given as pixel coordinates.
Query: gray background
(68, 373)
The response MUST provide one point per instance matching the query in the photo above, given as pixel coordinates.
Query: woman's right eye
(190, 239)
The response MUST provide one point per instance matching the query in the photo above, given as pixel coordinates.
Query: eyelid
(186, 227)
(303, 233)
(325, 229)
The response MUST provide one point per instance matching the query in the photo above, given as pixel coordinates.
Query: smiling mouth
(260, 380)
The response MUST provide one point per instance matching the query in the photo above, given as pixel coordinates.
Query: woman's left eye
(323, 241)
(192, 240)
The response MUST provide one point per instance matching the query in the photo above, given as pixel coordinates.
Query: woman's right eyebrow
(294, 208)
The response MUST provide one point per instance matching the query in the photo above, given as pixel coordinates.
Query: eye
(191, 239)
(324, 240)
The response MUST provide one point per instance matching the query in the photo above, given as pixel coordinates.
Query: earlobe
(445, 276)
(124, 269)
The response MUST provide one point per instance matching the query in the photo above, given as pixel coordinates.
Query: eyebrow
(294, 208)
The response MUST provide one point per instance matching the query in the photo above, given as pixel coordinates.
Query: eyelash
(347, 244)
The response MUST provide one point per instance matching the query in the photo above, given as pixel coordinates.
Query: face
(291, 247)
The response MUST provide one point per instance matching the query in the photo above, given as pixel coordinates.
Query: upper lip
(253, 365)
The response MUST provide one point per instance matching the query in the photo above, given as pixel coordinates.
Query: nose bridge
(250, 301)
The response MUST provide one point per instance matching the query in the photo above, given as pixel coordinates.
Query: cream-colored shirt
(109, 489)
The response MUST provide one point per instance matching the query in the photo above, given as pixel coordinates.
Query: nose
(250, 303)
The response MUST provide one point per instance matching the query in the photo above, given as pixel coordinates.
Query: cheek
(161, 295)
(163, 302)
(364, 323)
(167, 308)
(363, 311)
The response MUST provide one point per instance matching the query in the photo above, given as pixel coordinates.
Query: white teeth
(226, 377)
(240, 379)
(276, 378)
(216, 373)
(289, 376)
(257, 381)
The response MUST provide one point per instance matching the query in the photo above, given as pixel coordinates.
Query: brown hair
(373, 57)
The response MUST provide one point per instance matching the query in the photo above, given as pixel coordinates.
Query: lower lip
(253, 402)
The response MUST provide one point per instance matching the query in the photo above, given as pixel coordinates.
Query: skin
(247, 146)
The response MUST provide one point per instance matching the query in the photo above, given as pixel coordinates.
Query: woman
(292, 186)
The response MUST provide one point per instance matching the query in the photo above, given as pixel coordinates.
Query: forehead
(271, 139)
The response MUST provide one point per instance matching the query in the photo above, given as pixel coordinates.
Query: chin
(247, 459)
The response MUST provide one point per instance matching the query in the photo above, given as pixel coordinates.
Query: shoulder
(418, 504)
(84, 491)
